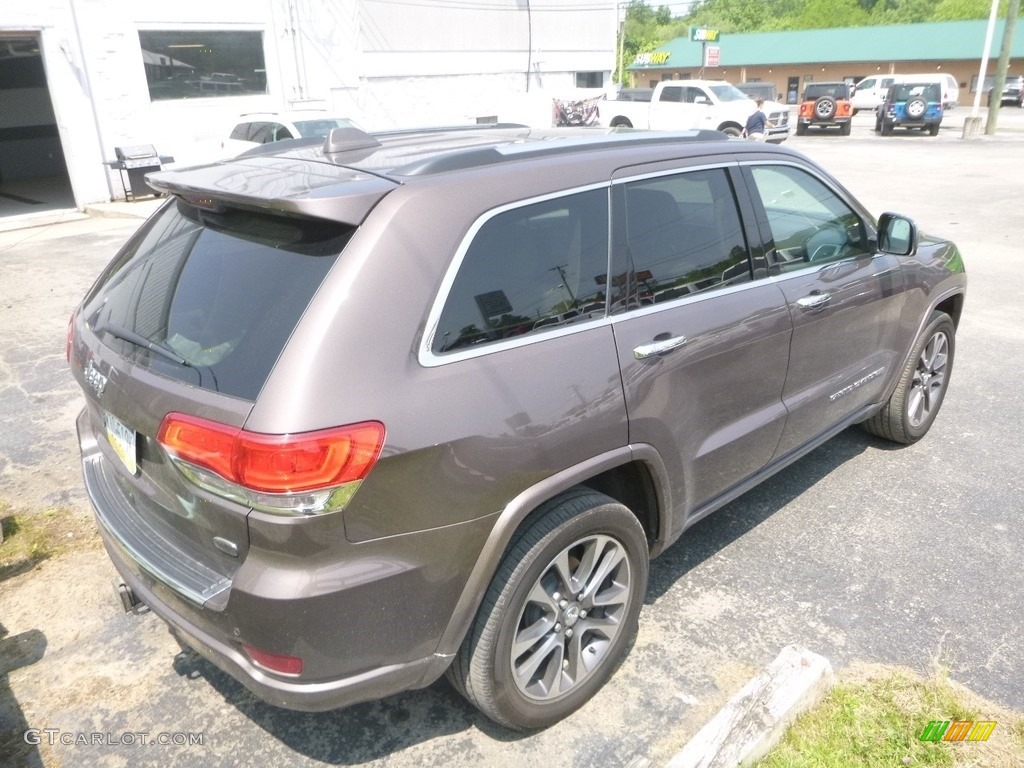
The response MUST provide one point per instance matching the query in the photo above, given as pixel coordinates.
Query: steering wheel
(827, 243)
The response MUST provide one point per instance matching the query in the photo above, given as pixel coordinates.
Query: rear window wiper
(141, 341)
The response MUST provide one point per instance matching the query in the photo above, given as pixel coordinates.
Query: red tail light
(264, 463)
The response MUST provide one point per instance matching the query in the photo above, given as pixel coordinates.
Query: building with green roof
(791, 59)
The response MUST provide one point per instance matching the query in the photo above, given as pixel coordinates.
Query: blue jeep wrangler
(910, 105)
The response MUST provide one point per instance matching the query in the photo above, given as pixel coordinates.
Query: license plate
(122, 440)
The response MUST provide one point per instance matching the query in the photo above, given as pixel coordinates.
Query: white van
(870, 92)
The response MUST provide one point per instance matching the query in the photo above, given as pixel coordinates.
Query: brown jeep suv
(365, 411)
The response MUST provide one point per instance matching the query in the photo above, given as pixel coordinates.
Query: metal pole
(995, 95)
(622, 44)
(984, 57)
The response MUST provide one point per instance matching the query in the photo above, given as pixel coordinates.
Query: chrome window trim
(677, 171)
(426, 355)
(429, 359)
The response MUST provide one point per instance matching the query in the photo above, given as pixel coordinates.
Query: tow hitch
(129, 601)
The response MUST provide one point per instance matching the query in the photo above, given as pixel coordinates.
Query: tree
(822, 14)
(958, 10)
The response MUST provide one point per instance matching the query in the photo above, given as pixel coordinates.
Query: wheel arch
(950, 302)
(633, 475)
(953, 306)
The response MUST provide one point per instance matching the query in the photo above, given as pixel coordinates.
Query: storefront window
(188, 64)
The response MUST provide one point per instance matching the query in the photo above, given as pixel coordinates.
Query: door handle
(658, 347)
(814, 301)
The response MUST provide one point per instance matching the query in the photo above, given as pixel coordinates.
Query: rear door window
(683, 236)
(529, 269)
(215, 295)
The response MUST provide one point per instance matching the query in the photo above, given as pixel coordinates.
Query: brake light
(274, 464)
(275, 662)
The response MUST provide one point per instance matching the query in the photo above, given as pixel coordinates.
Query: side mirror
(897, 235)
(702, 100)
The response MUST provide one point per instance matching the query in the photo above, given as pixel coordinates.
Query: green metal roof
(934, 41)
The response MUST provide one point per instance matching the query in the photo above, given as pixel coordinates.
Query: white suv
(257, 128)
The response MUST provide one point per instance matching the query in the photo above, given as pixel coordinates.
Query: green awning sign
(705, 35)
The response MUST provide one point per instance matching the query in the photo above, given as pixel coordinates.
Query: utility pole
(1001, 67)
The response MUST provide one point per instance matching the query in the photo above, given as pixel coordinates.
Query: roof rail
(482, 156)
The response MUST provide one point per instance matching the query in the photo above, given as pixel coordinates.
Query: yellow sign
(651, 59)
(705, 35)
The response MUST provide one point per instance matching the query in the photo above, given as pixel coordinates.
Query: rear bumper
(824, 123)
(290, 694)
(365, 618)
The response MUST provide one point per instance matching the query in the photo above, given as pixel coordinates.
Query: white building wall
(384, 63)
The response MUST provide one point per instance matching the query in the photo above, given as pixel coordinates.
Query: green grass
(29, 538)
(878, 721)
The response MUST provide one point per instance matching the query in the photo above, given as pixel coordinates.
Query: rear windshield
(905, 91)
(213, 295)
(835, 90)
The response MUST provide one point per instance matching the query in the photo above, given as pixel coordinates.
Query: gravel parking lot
(861, 552)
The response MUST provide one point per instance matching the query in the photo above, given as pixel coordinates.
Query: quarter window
(683, 236)
(528, 270)
(809, 223)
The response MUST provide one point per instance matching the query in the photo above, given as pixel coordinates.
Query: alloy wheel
(571, 617)
(929, 379)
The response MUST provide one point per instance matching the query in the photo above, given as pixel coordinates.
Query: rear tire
(559, 614)
(913, 406)
(886, 127)
(844, 128)
(801, 129)
(933, 129)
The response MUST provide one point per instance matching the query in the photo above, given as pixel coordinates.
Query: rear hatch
(189, 318)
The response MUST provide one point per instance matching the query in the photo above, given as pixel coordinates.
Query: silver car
(365, 412)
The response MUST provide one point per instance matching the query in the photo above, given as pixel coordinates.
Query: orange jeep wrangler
(826, 105)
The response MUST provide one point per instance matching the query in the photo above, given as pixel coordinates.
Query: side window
(241, 132)
(809, 223)
(529, 269)
(260, 132)
(672, 93)
(280, 132)
(693, 95)
(683, 236)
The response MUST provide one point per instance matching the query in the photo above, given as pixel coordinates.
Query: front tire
(913, 406)
(559, 614)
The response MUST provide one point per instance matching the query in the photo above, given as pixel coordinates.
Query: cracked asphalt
(861, 552)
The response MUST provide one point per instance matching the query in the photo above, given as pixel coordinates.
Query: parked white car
(257, 128)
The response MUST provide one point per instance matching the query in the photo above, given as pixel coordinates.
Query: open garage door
(33, 170)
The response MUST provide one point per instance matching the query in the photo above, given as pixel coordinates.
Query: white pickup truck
(683, 104)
